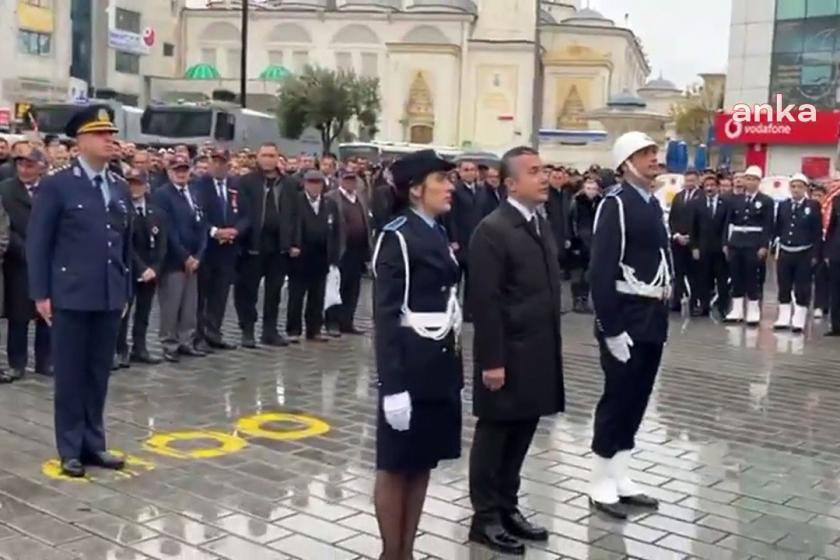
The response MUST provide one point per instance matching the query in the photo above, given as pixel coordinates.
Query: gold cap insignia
(103, 116)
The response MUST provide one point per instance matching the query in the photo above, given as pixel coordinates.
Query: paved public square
(741, 444)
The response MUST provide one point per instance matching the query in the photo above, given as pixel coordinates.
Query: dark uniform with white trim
(798, 232)
(749, 225)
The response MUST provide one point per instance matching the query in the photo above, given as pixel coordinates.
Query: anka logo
(765, 118)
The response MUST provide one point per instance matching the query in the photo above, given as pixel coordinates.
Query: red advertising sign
(5, 116)
(769, 129)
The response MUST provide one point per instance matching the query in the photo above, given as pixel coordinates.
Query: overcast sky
(677, 46)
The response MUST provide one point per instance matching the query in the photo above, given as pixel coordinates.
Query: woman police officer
(418, 358)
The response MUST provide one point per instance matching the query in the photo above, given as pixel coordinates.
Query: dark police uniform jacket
(800, 228)
(148, 246)
(78, 250)
(757, 215)
(186, 228)
(429, 370)
(645, 319)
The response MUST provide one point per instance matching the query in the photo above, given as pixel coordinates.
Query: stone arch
(355, 34)
(221, 31)
(426, 34)
(288, 33)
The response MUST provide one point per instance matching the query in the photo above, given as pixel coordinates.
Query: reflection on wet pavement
(740, 445)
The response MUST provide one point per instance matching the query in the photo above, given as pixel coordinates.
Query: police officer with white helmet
(631, 275)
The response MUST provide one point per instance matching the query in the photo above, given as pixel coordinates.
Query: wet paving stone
(739, 444)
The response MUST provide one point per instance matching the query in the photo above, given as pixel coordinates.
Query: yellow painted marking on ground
(254, 426)
(134, 466)
(162, 444)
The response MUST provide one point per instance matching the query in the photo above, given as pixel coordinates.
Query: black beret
(413, 169)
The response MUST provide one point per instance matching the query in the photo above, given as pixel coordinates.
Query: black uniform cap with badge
(93, 119)
(413, 169)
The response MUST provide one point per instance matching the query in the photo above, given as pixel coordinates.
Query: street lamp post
(243, 62)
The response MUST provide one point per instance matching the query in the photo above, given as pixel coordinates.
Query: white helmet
(628, 144)
(799, 177)
(754, 171)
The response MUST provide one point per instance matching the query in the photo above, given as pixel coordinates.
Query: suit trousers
(84, 344)
(714, 279)
(793, 273)
(744, 270)
(215, 277)
(685, 277)
(306, 280)
(465, 282)
(834, 283)
(251, 269)
(498, 451)
(822, 287)
(178, 299)
(352, 265)
(17, 344)
(627, 389)
(144, 296)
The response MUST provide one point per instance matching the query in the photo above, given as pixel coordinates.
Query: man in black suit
(517, 349)
(707, 234)
(227, 221)
(17, 194)
(271, 200)
(680, 222)
(462, 220)
(493, 192)
(148, 249)
(317, 237)
(831, 256)
(557, 209)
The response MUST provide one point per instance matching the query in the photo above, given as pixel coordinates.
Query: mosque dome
(661, 83)
(627, 100)
(588, 16)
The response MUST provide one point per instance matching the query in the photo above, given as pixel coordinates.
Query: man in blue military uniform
(798, 236)
(749, 222)
(630, 276)
(78, 255)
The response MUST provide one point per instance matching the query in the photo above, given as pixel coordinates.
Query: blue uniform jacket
(427, 369)
(221, 215)
(644, 319)
(186, 229)
(758, 214)
(78, 251)
(800, 228)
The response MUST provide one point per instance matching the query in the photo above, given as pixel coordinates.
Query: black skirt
(434, 434)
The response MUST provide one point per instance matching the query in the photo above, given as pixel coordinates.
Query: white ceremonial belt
(747, 229)
(654, 292)
(791, 249)
(426, 320)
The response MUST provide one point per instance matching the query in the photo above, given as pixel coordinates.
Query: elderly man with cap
(18, 194)
(227, 220)
(418, 357)
(630, 275)
(317, 237)
(798, 238)
(749, 223)
(79, 261)
(148, 249)
(186, 243)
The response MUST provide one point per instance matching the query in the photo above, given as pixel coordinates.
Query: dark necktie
(220, 189)
(140, 211)
(535, 225)
(98, 182)
(32, 190)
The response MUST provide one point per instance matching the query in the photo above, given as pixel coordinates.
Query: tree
(327, 100)
(696, 115)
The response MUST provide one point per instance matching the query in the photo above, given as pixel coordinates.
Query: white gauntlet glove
(397, 409)
(619, 346)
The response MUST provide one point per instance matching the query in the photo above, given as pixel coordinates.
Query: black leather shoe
(45, 370)
(615, 511)
(115, 363)
(72, 468)
(496, 538)
(203, 346)
(317, 338)
(352, 330)
(143, 357)
(334, 333)
(220, 344)
(104, 460)
(248, 341)
(277, 340)
(124, 360)
(191, 351)
(833, 332)
(16, 374)
(516, 524)
(6, 377)
(293, 338)
(171, 356)
(640, 500)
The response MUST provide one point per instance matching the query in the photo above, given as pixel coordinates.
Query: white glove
(397, 409)
(619, 346)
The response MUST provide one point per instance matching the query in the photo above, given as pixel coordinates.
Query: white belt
(791, 249)
(425, 320)
(747, 229)
(643, 290)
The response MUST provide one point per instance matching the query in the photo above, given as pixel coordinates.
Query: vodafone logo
(149, 36)
(733, 129)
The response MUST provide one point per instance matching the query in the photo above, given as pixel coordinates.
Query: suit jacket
(557, 212)
(488, 199)
(515, 296)
(831, 247)
(318, 236)
(78, 249)
(223, 213)
(336, 196)
(186, 228)
(18, 205)
(681, 216)
(708, 227)
(464, 217)
(148, 240)
(252, 190)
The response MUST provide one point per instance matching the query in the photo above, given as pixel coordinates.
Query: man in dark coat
(707, 234)
(462, 220)
(17, 195)
(680, 222)
(557, 213)
(492, 194)
(518, 363)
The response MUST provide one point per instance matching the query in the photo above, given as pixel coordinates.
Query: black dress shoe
(143, 357)
(248, 341)
(352, 330)
(293, 338)
(277, 340)
(17, 374)
(115, 363)
(640, 500)
(124, 360)
(833, 332)
(203, 346)
(219, 344)
(191, 351)
(518, 526)
(104, 460)
(171, 356)
(615, 511)
(496, 538)
(72, 468)
(317, 338)
(6, 377)
(334, 333)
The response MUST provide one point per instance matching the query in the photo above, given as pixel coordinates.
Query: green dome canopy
(274, 73)
(202, 71)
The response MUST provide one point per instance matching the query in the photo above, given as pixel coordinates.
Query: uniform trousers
(744, 271)
(793, 273)
(352, 265)
(822, 286)
(627, 388)
(215, 277)
(685, 277)
(178, 299)
(307, 280)
(714, 278)
(498, 451)
(17, 344)
(251, 269)
(144, 296)
(834, 283)
(84, 344)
